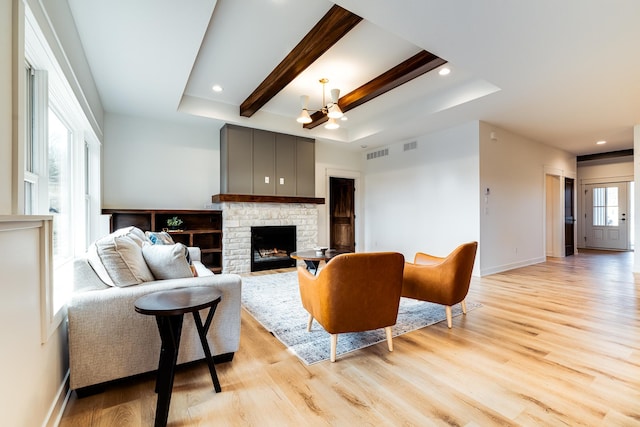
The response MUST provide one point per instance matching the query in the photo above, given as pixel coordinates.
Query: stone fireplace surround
(239, 217)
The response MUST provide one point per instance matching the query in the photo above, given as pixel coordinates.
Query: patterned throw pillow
(117, 258)
(159, 237)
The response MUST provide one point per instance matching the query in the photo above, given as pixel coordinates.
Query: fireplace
(271, 246)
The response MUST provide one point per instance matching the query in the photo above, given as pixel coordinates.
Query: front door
(606, 216)
(569, 219)
(342, 214)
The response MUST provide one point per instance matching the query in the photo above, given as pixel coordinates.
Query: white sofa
(109, 340)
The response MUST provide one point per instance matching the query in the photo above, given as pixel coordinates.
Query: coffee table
(169, 308)
(312, 258)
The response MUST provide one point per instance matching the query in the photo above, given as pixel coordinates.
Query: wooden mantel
(254, 198)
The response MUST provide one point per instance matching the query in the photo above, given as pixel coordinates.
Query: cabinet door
(264, 162)
(305, 167)
(236, 152)
(285, 165)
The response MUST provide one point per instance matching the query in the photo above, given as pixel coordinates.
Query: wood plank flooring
(556, 343)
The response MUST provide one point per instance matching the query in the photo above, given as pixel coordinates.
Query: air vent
(410, 145)
(379, 153)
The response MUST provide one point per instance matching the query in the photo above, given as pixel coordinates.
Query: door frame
(582, 200)
(357, 203)
(623, 225)
(557, 201)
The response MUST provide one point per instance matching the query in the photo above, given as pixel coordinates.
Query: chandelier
(331, 109)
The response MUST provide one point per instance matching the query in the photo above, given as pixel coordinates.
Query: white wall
(512, 219)
(424, 199)
(336, 161)
(153, 164)
(32, 372)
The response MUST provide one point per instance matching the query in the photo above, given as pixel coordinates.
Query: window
(59, 144)
(605, 207)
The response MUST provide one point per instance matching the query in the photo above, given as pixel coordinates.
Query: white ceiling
(563, 73)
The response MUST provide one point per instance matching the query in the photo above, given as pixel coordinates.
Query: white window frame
(52, 90)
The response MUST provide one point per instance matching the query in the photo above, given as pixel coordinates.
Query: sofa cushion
(167, 261)
(118, 260)
(159, 237)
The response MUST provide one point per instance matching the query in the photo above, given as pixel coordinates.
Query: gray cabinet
(236, 160)
(285, 165)
(305, 167)
(260, 162)
(263, 162)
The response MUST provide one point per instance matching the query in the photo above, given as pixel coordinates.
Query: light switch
(266, 179)
(281, 181)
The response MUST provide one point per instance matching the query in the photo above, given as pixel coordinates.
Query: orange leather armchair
(354, 292)
(441, 280)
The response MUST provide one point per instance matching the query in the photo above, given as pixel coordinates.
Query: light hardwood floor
(556, 343)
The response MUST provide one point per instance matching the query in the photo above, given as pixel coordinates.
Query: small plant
(174, 222)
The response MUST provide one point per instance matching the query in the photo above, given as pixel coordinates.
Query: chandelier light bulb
(332, 124)
(304, 117)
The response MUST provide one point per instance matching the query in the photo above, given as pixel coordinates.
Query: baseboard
(54, 416)
(506, 267)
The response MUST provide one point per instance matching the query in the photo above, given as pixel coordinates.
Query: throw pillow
(159, 237)
(120, 254)
(133, 232)
(167, 261)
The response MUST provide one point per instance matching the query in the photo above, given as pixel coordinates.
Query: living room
(466, 180)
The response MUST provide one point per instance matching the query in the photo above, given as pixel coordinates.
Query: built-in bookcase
(201, 228)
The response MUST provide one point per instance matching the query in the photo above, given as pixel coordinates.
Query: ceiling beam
(607, 155)
(332, 27)
(420, 63)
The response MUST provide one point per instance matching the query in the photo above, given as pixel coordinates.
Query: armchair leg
(464, 306)
(334, 344)
(387, 330)
(448, 311)
(309, 323)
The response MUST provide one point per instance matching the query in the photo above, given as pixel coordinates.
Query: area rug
(274, 301)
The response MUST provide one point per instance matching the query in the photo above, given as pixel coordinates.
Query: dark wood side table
(312, 258)
(169, 308)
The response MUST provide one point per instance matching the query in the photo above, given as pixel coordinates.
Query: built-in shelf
(253, 198)
(201, 228)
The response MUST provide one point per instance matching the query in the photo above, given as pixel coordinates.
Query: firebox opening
(271, 246)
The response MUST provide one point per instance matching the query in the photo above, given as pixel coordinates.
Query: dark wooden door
(569, 216)
(342, 214)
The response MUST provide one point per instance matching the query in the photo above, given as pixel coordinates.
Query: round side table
(169, 308)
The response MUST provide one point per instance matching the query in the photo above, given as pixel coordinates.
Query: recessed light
(601, 142)
(344, 118)
(444, 71)
(216, 88)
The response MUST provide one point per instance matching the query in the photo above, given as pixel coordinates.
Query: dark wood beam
(607, 155)
(332, 27)
(413, 67)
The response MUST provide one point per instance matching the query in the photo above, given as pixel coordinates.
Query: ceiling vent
(410, 145)
(380, 153)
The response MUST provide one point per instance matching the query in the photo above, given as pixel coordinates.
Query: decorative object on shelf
(331, 109)
(174, 223)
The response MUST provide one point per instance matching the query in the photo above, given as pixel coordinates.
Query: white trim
(511, 266)
(56, 410)
(624, 178)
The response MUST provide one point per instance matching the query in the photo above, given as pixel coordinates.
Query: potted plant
(174, 223)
